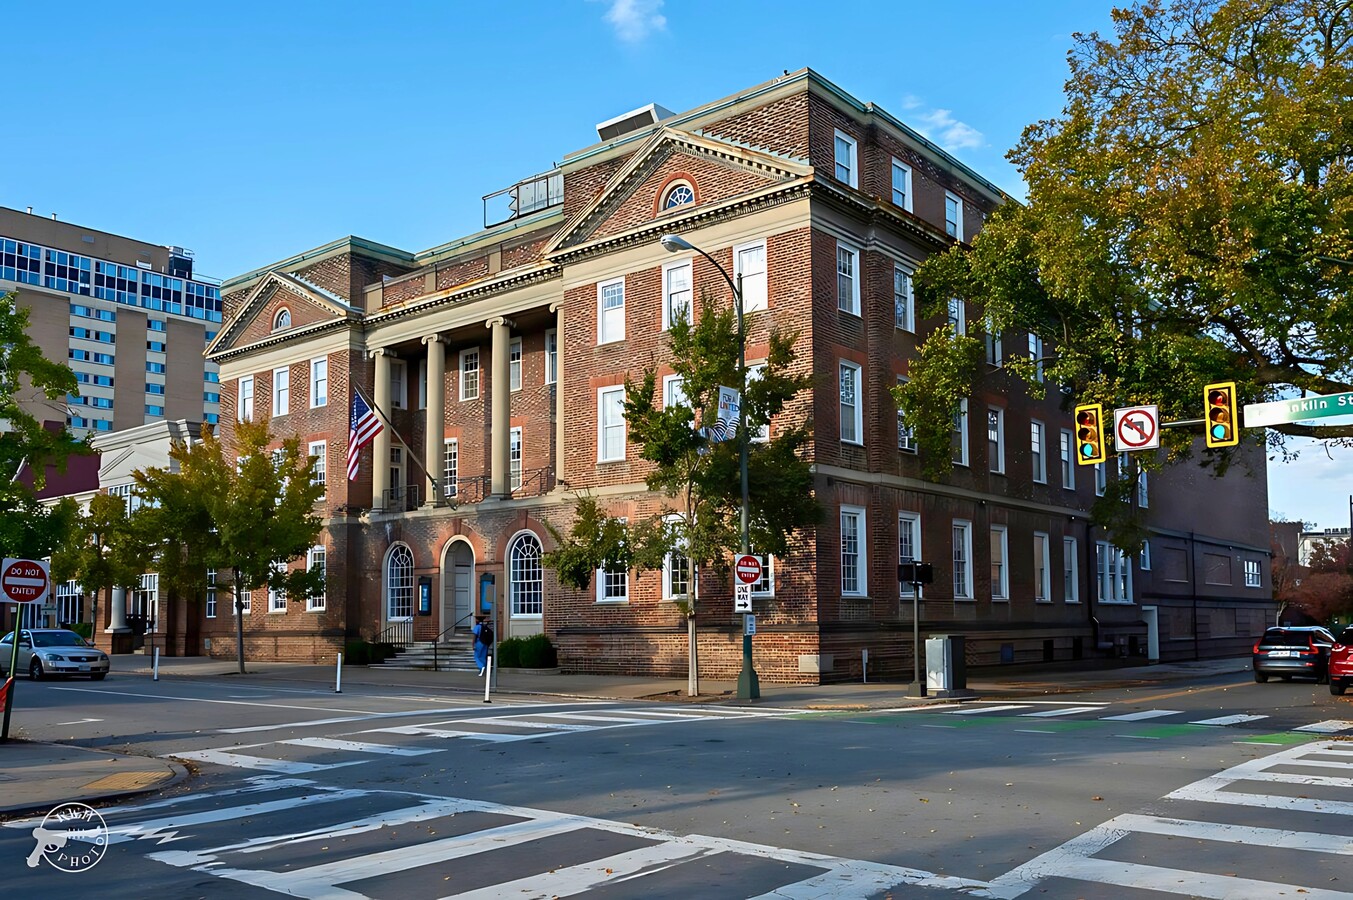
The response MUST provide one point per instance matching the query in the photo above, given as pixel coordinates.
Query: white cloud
(940, 126)
(634, 20)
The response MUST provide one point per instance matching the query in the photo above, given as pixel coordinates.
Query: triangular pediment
(306, 305)
(718, 172)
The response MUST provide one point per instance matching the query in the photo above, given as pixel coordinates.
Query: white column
(118, 621)
(560, 431)
(500, 459)
(380, 447)
(435, 425)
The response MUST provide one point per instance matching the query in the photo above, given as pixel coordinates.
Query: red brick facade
(538, 282)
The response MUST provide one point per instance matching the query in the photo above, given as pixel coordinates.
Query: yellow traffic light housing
(1222, 423)
(1089, 434)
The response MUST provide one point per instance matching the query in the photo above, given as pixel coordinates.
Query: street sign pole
(10, 682)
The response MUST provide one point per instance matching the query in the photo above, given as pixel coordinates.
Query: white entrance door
(458, 593)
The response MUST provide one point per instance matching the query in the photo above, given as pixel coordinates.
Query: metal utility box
(945, 670)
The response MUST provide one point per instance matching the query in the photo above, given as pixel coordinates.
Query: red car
(1341, 662)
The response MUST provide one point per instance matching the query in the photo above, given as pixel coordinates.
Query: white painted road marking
(1228, 720)
(977, 710)
(1329, 726)
(1140, 716)
(358, 746)
(244, 761)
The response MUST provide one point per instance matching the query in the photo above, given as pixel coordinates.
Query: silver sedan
(53, 651)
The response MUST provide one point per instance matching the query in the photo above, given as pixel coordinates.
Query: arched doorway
(458, 589)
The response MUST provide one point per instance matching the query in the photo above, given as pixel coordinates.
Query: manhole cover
(126, 781)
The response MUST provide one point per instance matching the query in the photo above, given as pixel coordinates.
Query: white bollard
(155, 664)
(488, 679)
(338, 675)
(864, 663)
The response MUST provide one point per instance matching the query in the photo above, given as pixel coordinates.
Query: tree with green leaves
(102, 551)
(250, 515)
(1189, 220)
(29, 529)
(700, 474)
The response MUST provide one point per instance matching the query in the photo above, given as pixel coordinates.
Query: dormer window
(679, 194)
(281, 320)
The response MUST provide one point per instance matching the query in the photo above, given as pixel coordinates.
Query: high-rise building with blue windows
(131, 319)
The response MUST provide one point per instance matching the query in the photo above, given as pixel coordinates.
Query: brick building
(501, 356)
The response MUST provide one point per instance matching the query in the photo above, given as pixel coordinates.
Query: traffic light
(1223, 425)
(1089, 434)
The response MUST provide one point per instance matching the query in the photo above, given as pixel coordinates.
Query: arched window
(399, 583)
(679, 194)
(526, 579)
(282, 319)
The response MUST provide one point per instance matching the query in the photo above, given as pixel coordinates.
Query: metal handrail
(400, 499)
(543, 476)
(396, 633)
(437, 642)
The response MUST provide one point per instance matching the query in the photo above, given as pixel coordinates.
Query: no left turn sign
(1137, 427)
(748, 568)
(23, 581)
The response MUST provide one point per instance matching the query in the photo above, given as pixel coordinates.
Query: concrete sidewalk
(34, 777)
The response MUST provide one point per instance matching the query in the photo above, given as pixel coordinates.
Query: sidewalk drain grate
(127, 781)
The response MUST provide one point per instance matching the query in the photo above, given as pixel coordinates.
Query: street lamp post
(749, 686)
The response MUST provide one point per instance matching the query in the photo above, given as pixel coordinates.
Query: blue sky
(250, 131)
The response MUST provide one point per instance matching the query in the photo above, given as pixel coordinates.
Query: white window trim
(997, 466)
(767, 575)
(1101, 478)
(1106, 553)
(1144, 559)
(667, 382)
(912, 522)
(858, 417)
(853, 168)
(1067, 442)
(313, 603)
(762, 434)
(957, 315)
(906, 181)
(963, 423)
(478, 372)
(1038, 456)
(1046, 562)
(245, 413)
(1071, 546)
(958, 213)
(667, 572)
(450, 484)
(902, 428)
(281, 397)
(909, 319)
(1036, 355)
(737, 270)
(551, 355)
(966, 525)
(855, 273)
(277, 600)
(514, 367)
(602, 336)
(862, 551)
(1000, 536)
(317, 401)
(1258, 573)
(1143, 490)
(320, 451)
(667, 269)
(995, 344)
(399, 384)
(601, 425)
(514, 470)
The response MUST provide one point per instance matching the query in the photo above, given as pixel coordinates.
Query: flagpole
(395, 433)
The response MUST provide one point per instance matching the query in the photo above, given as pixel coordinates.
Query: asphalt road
(387, 793)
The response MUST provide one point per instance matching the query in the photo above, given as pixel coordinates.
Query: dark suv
(1293, 650)
(1341, 663)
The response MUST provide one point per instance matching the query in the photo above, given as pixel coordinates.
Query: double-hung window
(1036, 354)
(551, 356)
(852, 413)
(469, 374)
(906, 435)
(1038, 455)
(1068, 449)
(613, 584)
(316, 562)
(996, 439)
(673, 392)
(277, 592)
(281, 391)
(1042, 564)
(514, 459)
(610, 424)
(754, 373)
(398, 384)
(953, 215)
(1143, 496)
(847, 278)
(994, 340)
(1114, 569)
(1071, 589)
(749, 261)
(676, 293)
(676, 569)
(854, 578)
(514, 364)
(611, 311)
(1254, 576)
(211, 593)
(904, 309)
(1000, 569)
(319, 452)
(960, 436)
(901, 184)
(908, 545)
(846, 169)
(319, 382)
(958, 316)
(1101, 479)
(962, 539)
(450, 466)
(246, 399)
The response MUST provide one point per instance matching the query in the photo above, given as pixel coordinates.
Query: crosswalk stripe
(1050, 713)
(977, 710)
(1236, 834)
(357, 746)
(567, 882)
(609, 720)
(1329, 726)
(1228, 720)
(1180, 881)
(245, 761)
(1144, 714)
(499, 737)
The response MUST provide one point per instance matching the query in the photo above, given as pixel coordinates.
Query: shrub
(538, 653)
(356, 653)
(83, 629)
(508, 653)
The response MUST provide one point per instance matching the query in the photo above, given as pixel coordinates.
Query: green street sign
(1280, 412)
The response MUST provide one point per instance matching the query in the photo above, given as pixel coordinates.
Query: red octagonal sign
(748, 568)
(23, 581)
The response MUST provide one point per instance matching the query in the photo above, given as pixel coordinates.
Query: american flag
(362, 430)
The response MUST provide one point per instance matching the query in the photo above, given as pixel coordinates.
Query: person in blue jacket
(483, 642)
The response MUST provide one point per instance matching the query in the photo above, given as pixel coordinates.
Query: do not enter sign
(747, 568)
(23, 581)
